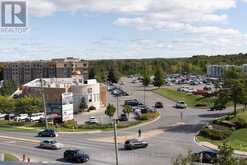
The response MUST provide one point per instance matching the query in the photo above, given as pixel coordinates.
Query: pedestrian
(28, 160)
(139, 133)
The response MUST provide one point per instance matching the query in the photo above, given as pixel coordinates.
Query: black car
(132, 103)
(75, 156)
(218, 107)
(204, 157)
(123, 117)
(10, 116)
(48, 133)
(135, 144)
(158, 105)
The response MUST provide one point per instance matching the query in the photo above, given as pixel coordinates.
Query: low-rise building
(89, 91)
(217, 71)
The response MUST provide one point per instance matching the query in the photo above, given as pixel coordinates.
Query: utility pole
(117, 109)
(44, 102)
(115, 140)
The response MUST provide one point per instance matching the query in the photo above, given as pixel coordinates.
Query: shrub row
(215, 134)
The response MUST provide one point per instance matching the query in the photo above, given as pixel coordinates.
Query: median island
(229, 129)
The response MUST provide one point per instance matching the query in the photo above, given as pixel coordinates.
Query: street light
(44, 102)
(115, 140)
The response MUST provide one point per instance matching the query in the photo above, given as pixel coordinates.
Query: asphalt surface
(176, 136)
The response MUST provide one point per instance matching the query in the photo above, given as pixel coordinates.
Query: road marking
(20, 139)
(121, 139)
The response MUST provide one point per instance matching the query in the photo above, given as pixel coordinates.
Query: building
(25, 71)
(217, 71)
(89, 91)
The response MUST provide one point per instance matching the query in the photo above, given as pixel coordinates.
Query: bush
(201, 105)
(91, 108)
(70, 124)
(149, 116)
(215, 134)
(239, 122)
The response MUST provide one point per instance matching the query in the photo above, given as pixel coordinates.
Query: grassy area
(191, 100)
(10, 157)
(237, 140)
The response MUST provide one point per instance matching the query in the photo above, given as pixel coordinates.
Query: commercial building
(89, 92)
(217, 71)
(25, 71)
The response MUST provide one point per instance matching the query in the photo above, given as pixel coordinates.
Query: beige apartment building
(24, 71)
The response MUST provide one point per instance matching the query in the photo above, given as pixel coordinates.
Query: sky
(120, 29)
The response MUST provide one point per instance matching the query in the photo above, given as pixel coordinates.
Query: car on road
(75, 156)
(93, 120)
(48, 133)
(132, 103)
(181, 104)
(123, 117)
(158, 105)
(204, 157)
(21, 117)
(135, 144)
(51, 144)
(218, 107)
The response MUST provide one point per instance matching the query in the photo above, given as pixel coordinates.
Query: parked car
(48, 133)
(218, 107)
(123, 117)
(93, 120)
(2, 115)
(21, 117)
(135, 144)
(36, 117)
(132, 103)
(10, 116)
(75, 156)
(50, 144)
(181, 104)
(158, 105)
(204, 157)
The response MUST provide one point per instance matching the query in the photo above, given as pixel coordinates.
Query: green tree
(110, 110)
(9, 87)
(225, 156)
(146, 79)
(29, 105)
(158, 77)
(113, 76)
(7, 105)
(127, 109)
(1, 72)
(92, 73)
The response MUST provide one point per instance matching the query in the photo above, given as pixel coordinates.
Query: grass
(190, 99)
(238, 139)
(10, 157)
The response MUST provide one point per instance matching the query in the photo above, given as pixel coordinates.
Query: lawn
(10, 157)
(237, 140)
(190, 100)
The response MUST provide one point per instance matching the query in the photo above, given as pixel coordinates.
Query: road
(175, 136)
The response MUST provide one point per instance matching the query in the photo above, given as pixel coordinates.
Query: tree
(112, 76)
(225, 156)
(8, 88)
(110, 110)
(7, 105)
(158, 77)
(184, 160)
(1, 72)
(92, 73)
(127, 109)
(29, 105)
(146, 79)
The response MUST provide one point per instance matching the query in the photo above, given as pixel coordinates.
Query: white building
(217, 71)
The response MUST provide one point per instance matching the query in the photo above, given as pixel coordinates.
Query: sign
(67, 106)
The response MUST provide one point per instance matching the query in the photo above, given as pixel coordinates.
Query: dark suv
(75, 156)
(135, 144)
(48, 133)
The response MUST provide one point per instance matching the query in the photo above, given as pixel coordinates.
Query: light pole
(44, 102)
(115, 140)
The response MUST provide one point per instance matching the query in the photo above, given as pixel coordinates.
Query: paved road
(175, 138)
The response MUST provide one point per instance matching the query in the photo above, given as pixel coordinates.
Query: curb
(82, 132)
(237, 152)
(20, 139)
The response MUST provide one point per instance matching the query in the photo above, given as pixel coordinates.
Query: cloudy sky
(103, 29)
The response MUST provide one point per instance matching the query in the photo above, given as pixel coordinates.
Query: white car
(36, 116)
(51, 144)
(21, 117)
(181, 104)
(93, 120)
(2, 116)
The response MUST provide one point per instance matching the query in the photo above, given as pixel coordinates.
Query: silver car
(51, 144)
